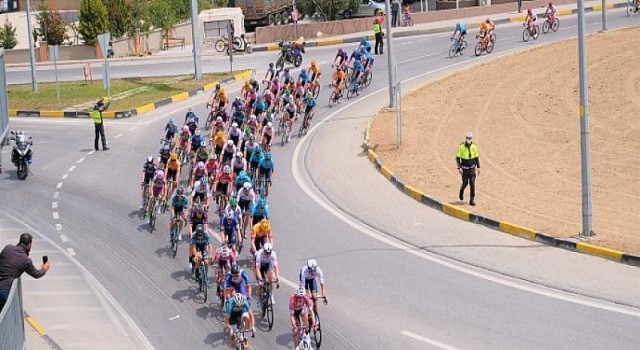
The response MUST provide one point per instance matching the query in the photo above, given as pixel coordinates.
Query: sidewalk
(565, 7)
(68, 304)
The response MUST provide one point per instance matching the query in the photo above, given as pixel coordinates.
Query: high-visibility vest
(97, 116)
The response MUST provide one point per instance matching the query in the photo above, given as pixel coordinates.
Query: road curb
(41, 332)
(503, 226)
(356, 38)
(135, 111)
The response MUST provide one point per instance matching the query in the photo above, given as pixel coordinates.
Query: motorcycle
(290, 55)
(21, 153)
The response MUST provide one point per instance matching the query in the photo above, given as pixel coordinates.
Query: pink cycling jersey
(303, 304)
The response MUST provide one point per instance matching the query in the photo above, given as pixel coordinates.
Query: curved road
(384, 293)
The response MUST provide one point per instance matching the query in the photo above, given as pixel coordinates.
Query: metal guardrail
(12, 320)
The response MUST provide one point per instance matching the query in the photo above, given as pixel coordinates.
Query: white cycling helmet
(238, 298)
(312, 264)
(301, 291)
(247, 185)
(268, 247)
(230, 143)
(219, 119)
(239, 154)
(234, 125)
(224, 252)
(269, 124)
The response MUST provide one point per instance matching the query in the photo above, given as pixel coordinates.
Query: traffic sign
(104, 39)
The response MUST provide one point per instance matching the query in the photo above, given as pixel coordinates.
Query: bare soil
(524, 112)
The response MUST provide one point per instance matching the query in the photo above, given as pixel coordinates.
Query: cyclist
(259, 106)
(298, 94)
(303, 78)
(211, 166)
(267, 267)
(260, 235)
(200, 248)
(241, 179)
(223, 259)
(252, 124)
(486, 28)
(250, 100)
(275, 86)
(222, 99)
(246, 87)
(365, 44)
(300, 306)
(239, 116)
(170, 131)
(238, 310)
(286, 77)
(309, 275)
(173, 171)
(163, 156)
(237, 282)
(221, 184)
(254, 161)
(158, 189)
(249, 146)
(269, 99)
(339, 80)
(290, 113)
(202, 154)
(148, 170)
(267, 135)
(260, 211)
(234, 134)
(228, 151)
(266, 170)
(196, 143)
(234, 207)
(341, 59)
(199, 171)
(254, 84)
(201, 192)
(185, 140)
(198, 216)
(368, 59)
(461, 30)
(358, 70)
(530, 20)
(270, 74)
(552, 11)
(213, 96)
(179, 205)
(238, 163)
(309, 103)
(219, 141)
(315, 72)
(246, 199)
(230, 227)
(191, 120)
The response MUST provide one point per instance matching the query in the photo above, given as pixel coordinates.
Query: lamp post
(32, 59)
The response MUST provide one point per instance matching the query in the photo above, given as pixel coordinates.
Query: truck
(259, 13)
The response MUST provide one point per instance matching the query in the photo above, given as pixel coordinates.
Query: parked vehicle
(21, 153)
(366, 8)
(265, 12)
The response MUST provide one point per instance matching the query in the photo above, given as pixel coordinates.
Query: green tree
(139, 17)
(120, 17)
(165, 14)
(94, 21)
(8, 35)
(327, 8)
(52, 28)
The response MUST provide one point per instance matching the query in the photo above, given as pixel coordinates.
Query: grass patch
(126, 93)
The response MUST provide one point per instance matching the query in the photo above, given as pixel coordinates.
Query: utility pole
(604, 15)
(587, 219)
(195, 34)
(390, 58)
(32, 59)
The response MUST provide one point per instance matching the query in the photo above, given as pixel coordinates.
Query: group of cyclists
(487, 27)
(229, 166)
(352, 71)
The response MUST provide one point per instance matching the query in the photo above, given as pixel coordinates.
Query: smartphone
(45, 259)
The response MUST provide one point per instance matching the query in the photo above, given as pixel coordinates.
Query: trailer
(259, 13)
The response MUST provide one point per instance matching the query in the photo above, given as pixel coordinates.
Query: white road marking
(59, 185)
(80, 160)
(65, 176)
(54, 205)
(419, 57)
(72, 168)
(91, 152)
(71, 251)
(526, 287)
(131, 129)
(58, 227)
(174, 317)
(56, 194)
(64, 238)
(55, 215)
(428, 341)
(118, 136)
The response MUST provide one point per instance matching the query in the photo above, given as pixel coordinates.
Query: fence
(12, 320)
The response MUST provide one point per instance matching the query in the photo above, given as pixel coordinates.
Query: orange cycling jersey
(173, 165)
(258, 232)
(339, 75)
(486, 27)
(220, 139)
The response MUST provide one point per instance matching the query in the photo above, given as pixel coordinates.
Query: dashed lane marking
(65, 176)
(54, 205)
(80, 160)
(72, 168)
(428, 341)
(91, 152)
(56, 194)
(58, 227)
(71, 252)
(59, 185)
(64, 238)
(118, 136)
(55, 215)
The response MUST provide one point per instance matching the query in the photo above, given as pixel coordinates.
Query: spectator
(377, 31)
(468, 161)
(98, 123)
(15, 260)
(395, 11)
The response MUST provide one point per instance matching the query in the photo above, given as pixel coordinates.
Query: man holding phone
(14, 261)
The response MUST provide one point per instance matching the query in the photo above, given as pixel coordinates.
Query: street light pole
(195, 34)
(584, 125)
(604, 15)
(32, 59)
(390, 59)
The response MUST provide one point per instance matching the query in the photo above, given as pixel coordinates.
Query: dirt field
(524, 112)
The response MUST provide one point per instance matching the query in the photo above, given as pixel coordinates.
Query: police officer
(99, 107)
(468, 161)
(377, 31)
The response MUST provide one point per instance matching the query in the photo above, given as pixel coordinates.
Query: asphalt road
(382, 295)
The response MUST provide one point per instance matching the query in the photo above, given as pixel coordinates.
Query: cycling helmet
(340, 51)
(180, 191)
(150, 159)
(213, 156)
(268, 247)
(190, 110)
(529, 11)
(160, 174)
(550, 3)
(269, 124)
(218, 86)
(265, 225)
(224, 252)
(219, 119)
(301, 292)
(235, 269)
(233, 201)
(171, 120)
(229, 215)
(174, 156)
(247, 83)
(247, 186)
(309, 94)
(304, 346)
(239, 154)
(314, 63)
(234, 125)
(199, 230)
(203, 180)
(197, 132)
(252, 81)
(237, 99)
(203, 143)
(270, 64)
(458, 26)
(185, 128)
(267, 155)
(312, 264)
(230, 143)
(488, 20)
(253, 117)
(226, 169)
(200, 165)
(258, 149)
(251, 138)
(238, 299)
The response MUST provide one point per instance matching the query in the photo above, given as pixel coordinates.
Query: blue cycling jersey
(257, 157)
(241, 285)
(233, 307)
(261, 209)
(240, 180)
(202, 242)
(259, 104)
(229, 227)
(357, 65)
(195, 116)
(309, 102)
(171, 128)
(266, 164)
(180, 203)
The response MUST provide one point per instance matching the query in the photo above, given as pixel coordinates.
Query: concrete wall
(309, 30)
(17, 56)
(152, 42)
(52, 4)
(76, 52)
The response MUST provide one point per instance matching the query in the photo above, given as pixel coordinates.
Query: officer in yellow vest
(96, 115)
(377, 31)
(468, 161)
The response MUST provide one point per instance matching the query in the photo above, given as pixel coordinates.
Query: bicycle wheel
(220, 45)
(332, 99)
(203, 281)
(280, 63)
(490, 46)
(478, 49)
(463, 46)
(526, 35)
(546, 27)
(317, 333)
(316, 90)
(555, 25)
(452, 50)
(174, 239)
(536, 33)
(630, 9)
(152, 217)
(368, 78)
(493, 37)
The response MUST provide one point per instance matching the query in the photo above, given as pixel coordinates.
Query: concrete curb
(136, 111)
(356, 38)
(503, 226)
(41, 332)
